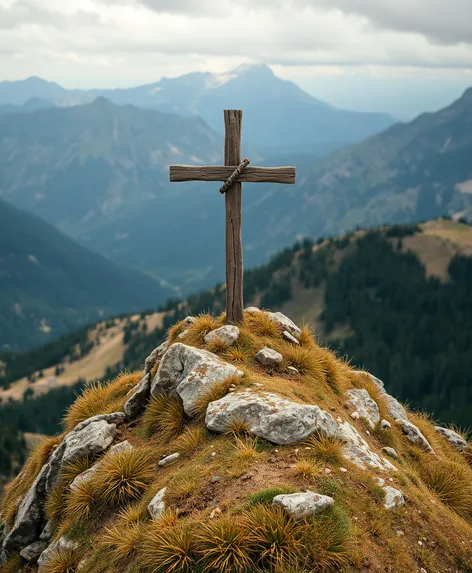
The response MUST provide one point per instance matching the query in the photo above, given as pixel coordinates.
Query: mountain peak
(252, 68)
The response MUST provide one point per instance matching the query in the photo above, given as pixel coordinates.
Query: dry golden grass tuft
(184, 483)
(190, 440)
(327, 542)
(451, 482)
(307, 338)
(260, 324)
(276, 537)
(214, 393)
(245, 448)
(235, 355)
(99, 398)
(324, 449)
(204, 323)
(23, 481)
(308, 361)
(236, 426)
(164, 417)
(70, 471)
(122, 477)
(175, 330)
(55, 502)
(224, 546)
(168, 550)
(306, 469)
(80, 501)
(132, 514)
(121, 540)
(63, 561)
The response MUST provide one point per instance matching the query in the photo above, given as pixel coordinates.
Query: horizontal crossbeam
(249, 175)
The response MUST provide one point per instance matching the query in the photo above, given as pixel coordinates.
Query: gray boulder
(393, 497)
(155, 355)
(227, 335)
(157, 505)
(190, 373)
(46, 533)
(33, 551)
(269, 357)
(30, 515)
(285, 322)
(62, 544)
(367, 408)
(269, 416)
(357, 450)
(414, 435)
(390, 452)
(138, 398)
(452, 437)
(303, 505)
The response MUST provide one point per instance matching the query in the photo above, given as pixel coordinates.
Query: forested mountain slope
(396, 300)
(50, 285)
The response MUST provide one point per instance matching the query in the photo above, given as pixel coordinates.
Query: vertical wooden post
(234, 249)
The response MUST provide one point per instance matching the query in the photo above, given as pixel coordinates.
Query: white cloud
(123, 42)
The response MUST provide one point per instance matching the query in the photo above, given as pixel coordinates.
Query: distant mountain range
(49, 285)
(279, 116)
(99, 172)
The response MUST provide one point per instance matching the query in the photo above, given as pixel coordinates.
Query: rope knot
(232, 178)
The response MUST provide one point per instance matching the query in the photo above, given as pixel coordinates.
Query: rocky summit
(242, 449)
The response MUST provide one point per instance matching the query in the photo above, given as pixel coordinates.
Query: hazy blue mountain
(100, 173)
(279, 117)
(32, 104)
(50, 285)
(19, 92)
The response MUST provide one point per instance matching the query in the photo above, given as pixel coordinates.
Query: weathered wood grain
(179, 173)
(233, 203)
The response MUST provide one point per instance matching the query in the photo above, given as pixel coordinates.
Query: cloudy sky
(400, 56)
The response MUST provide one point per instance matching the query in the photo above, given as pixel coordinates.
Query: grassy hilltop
(218, 513)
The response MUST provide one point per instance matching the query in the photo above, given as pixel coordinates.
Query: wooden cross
(233, 173)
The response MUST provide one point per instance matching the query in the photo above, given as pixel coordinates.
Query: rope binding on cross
(232, 178)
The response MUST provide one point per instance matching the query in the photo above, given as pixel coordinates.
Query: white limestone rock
(155, 355)
(269, 416)
(168, 459)
(33, 551)
(385, 425)
(286, 334)
(364, 405)
(226, 335)
(452, 437)
(395, 409)
(285, 323)
(252, 309)
(357, 450)
(393, 497)
(414, 435)
(62, 544)
(380, 385)
(269, 357)
(304, 504)
(138, 398)
(157, 505)
(120, 447)
(190, 373)
(390, 452)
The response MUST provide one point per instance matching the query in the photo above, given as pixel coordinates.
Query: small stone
(226, 335)
(189, 320)
(293, 370)
(286, 334)
(269, 357)
(183, 334)
(339, 420)
(121, 447)
(344, 470)
(400, 533)
(213, 454)
(390, 452)
(301, 505)
(215, 513)
(327, 471)
(247, 476)
(285, 322)
(33, 551)
(258, 384)
(168, 459)
(380, 482)
(385, 425)
(423, 570)
(46, 533)
(157, 506)
(420, 543)
(393, 497)
(355, 415)
(215, 479)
